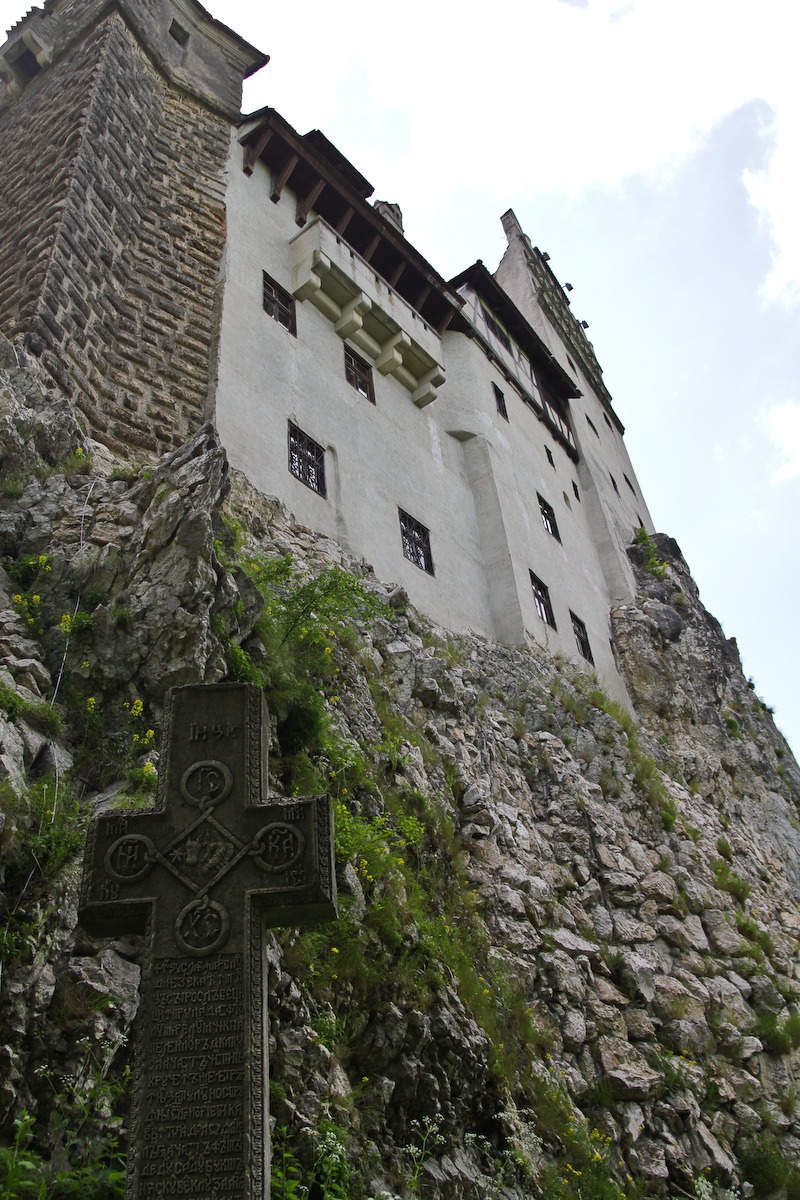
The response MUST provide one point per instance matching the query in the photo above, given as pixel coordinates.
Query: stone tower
(114, 134)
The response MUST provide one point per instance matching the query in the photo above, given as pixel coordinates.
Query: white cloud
(782, 423)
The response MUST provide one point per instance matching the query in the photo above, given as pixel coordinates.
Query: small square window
(500, 401)
(581, 638)
(575, 490)
(416, 542)
(613, 480)
(550, 458)
(541, 598)
(279, 304)
(307, 460)
(359, 374)
(592, 425)
(548, 517)
(180, 34)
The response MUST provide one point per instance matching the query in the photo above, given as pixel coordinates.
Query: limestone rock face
(629, 891)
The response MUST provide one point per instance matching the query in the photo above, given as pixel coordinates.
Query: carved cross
(201, 875)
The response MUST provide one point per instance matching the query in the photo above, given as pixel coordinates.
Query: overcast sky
(651, 148)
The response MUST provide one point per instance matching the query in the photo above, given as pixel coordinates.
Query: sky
(651, 148)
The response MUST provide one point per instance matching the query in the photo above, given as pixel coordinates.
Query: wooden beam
(448, 316)
(422, 297)
(398, 271)
(345, 221)
(371, 248)
(304, 206)
(253, 151)
(283, 175)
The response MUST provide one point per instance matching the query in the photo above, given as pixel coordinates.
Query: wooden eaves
(487, 288)
(322, 179)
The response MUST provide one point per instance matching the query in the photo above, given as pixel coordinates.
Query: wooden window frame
(548, 517)
(358, 374)
(500, 401)
(581, 637)
(278, 304)
(541, 599)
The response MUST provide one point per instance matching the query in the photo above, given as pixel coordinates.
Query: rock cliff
(568, 960)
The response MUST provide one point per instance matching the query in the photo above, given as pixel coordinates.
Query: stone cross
(201, 875)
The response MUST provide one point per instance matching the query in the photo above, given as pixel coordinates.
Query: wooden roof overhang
(322, 179)
(544, 361)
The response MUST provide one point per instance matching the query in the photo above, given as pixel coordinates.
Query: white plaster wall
(377, 458)
(511, 466)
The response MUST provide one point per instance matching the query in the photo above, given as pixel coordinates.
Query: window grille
(279, 304)
(581, 638)
(541, 598)
(307, 460)
(500, 401)
(359, 374)
(416, 542)
(548, 517)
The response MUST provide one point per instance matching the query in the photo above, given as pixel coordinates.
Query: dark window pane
(548, 517)
(307, 460)
(541, 598)
(581, 638)
(416, 542)
(279, 304)
(359, 374)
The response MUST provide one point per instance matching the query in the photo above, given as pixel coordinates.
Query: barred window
(581, 637)
(541, 598)
(416, 542)
(279, 304)
(548, 517)
(359, 374)
(500, 401)
(307, 460)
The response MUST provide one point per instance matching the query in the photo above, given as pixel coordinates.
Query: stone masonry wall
(121, 314)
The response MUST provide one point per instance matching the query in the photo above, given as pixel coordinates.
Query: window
(548, 517)
(581, 639)
(500, 401)
(575, 490)
(541, 598)
(307, 460)
(550, 458)
(180, 34)
(608, 423)
(630, 485)
(592, 425)
(279, 304)
(494, 328)
(567, 501)
(613, 480)
(416, 542)
(359, 374)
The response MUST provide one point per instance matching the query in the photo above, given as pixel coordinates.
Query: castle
(172, 262)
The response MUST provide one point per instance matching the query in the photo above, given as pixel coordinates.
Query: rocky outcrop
(585, 937)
